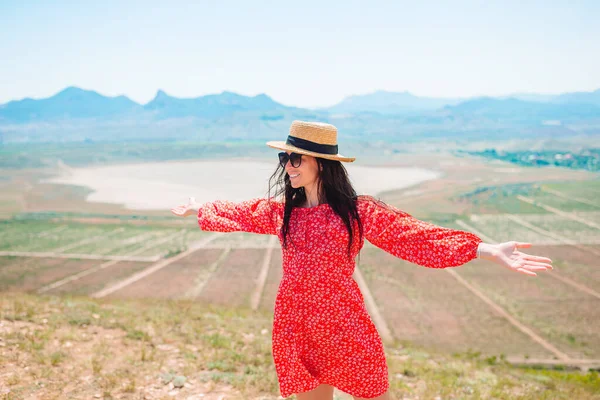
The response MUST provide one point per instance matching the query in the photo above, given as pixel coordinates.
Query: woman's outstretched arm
(423, 243)
(258, 215)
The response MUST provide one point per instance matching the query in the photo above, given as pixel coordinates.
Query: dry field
(579, 264)
(564, 316)
(272, 282)
(28, 274)
(99, 279)
(172, 281)
(70, 347)
(429, 308)
(235, 279)
(478, 311)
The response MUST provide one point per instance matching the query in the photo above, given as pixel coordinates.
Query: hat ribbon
(312, 146)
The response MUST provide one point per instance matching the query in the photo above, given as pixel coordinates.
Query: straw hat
(315, 139)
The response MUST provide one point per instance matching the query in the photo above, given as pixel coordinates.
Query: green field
(96, 239)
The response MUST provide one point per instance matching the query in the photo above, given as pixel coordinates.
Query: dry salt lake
(162, 185)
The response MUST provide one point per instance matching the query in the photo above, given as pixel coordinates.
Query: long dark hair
(334, 188)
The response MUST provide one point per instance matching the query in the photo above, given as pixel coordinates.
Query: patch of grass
(18, 311)
(97, 363)
(137, 334)
(217, 341)
(590, 380)
(501, 199)
(222, 366)
(146, 355)
(174, 252)
(79, 318)
(133, 343)
(57, 357)
(130, 386)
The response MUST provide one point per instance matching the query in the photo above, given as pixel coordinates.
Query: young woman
(322, 335)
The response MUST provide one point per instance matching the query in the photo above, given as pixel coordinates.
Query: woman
(323, 336)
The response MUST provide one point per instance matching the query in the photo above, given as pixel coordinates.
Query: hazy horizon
(294, 105)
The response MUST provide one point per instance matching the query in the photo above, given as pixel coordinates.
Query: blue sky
(308, 54)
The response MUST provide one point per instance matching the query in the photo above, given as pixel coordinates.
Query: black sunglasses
(294, 158)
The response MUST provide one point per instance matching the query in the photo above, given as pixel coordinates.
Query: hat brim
(288, 147)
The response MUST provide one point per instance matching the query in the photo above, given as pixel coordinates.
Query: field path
(558, 212)
(80, 256)
(553, 235)
(264, 272)
(542, 231)
(523, 328)
(89, 271)
(475, 231)
(86, 241)
(52, 231)
(564, 196)
(579, 286)
(378, 320)
(154, 268)
(204, 276)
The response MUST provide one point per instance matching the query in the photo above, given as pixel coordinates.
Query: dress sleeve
(419, 242)
(255, 216)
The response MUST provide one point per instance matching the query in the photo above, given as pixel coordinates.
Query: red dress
(322, 333)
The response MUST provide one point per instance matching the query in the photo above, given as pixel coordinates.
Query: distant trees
(588, 159)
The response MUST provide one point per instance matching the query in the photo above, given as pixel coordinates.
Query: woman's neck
(312, 196)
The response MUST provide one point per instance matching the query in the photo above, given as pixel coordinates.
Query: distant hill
(579, 98)
(405, 103)
(211, 106)
(390, 103)
(76, 114)
(519, 110)
(536, 98)
(78, 103)
(565, 98)
(70, 103)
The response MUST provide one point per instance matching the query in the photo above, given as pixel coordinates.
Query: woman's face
(306, 175)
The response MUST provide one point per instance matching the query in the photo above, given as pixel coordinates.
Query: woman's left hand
(508, 255)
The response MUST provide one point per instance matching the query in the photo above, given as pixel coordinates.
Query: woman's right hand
(191, 208)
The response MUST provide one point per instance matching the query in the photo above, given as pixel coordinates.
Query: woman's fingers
(526, 272)
(530, 257)
(538, 264)
(522, 245)
(528, 268)
(536, 267)
(179, 210)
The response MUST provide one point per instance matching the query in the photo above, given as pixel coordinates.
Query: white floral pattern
(322, 332)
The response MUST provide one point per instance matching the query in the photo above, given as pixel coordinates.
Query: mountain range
(76, 114)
